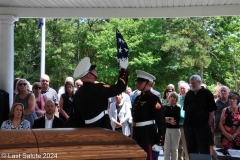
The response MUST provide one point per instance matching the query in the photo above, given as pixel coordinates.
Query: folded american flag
(122, 47)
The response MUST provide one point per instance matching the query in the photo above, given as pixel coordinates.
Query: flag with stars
(40, 23)
(122, 47)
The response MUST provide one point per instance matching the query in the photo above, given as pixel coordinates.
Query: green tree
(170, 49)
(144, 40)
(225, 64)
(27, 49)
(188, 42)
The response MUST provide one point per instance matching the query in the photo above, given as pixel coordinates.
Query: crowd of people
(190, 121)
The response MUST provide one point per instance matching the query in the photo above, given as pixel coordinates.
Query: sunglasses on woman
(22, 84)
(37, 88)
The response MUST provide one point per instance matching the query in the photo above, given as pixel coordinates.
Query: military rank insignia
(142, 103)
(158, 106)
(106, 86)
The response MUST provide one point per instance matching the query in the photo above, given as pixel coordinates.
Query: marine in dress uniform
(149, 125)
(90, 102)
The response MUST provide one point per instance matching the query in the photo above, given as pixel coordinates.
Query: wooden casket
(68, 143)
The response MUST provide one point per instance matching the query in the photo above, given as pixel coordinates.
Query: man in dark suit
(49, 120)
(4, 106)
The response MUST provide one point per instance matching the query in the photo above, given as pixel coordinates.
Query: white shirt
(124, 115)
(48, 123)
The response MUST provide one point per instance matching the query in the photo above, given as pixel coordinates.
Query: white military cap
(83, 67)
(144, 76)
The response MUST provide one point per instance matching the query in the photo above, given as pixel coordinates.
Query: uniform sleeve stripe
(122, 80)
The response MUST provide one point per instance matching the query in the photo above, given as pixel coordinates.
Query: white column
(7, 54)
(43, 49)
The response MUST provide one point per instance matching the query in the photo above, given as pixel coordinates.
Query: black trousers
(197, 139)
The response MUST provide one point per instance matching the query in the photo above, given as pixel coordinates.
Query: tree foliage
(170, 49)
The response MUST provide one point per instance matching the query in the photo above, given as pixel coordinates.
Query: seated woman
(173, 134)
(230, 123)
(16, 120)
(66, 101)
(120, 114)
(40, 99)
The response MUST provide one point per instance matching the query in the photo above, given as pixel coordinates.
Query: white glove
(158, 148)
(130, 120)
(123, 63)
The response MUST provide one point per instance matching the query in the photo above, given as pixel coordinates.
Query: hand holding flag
(122, 51)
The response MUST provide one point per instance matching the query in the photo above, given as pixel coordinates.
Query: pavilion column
(7, 54)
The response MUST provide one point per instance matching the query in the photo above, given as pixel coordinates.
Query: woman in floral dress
(230, 123)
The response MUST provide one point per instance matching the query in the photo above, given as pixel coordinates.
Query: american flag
(122, 47)
(40, 23)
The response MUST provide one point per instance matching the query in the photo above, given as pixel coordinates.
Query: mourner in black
(49, 120)
(199, 107)
(91, 100)
(41, 123)
(149, 125)
(4, 106)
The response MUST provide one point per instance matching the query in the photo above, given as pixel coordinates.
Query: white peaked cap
(82, 68)
(142, 75)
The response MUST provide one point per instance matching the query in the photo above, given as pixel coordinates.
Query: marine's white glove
(123, 63)
(158, 148)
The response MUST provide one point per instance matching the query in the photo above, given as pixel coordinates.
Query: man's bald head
(46, 77)
(78, 83)
(45, 82)
(50, 107)
(224, 92)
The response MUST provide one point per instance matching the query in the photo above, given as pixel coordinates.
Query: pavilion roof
(119, 8)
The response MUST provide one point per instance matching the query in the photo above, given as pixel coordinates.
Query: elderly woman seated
(16, 120)
(120, 115)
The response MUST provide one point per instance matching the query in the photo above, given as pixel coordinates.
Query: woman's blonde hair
(174, 95)
(11, 114)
